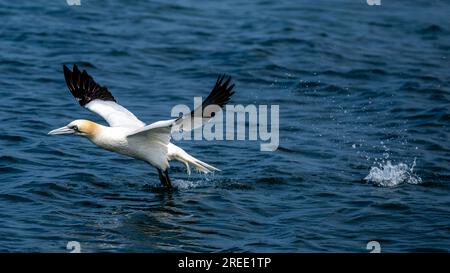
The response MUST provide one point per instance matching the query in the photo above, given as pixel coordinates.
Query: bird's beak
(62, 131)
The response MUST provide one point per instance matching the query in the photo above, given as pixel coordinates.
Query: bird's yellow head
(80, 127)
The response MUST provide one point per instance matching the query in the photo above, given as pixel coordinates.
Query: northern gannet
(129, 136)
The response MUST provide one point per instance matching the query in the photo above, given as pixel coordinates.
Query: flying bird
(128, 135)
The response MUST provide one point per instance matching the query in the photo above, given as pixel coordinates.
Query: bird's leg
(166, 173)
(164, 178)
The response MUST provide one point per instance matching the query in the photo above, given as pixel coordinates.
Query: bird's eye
(74, 127)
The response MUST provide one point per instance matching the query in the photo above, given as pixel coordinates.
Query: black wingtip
(83, 87)
(220, 94)
(67, 72)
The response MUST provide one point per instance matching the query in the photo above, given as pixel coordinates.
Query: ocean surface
(364, 150)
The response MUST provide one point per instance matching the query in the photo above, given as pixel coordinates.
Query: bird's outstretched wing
(219, 96)
(98, 99)
(158, 131)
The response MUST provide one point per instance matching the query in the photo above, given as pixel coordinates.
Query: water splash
(186, 184)
(389, 175)
(182, 184)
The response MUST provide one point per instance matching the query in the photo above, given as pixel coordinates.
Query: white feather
(115, 114)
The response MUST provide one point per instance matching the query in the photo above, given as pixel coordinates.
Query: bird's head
(79, 127)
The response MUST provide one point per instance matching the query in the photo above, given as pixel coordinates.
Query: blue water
(363, 91)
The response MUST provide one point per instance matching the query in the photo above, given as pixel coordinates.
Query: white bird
(129, 136)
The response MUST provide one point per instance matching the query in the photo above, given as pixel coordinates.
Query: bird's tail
(176, 153)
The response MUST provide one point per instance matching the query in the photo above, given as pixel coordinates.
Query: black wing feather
(84, 88)
(220, 95)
